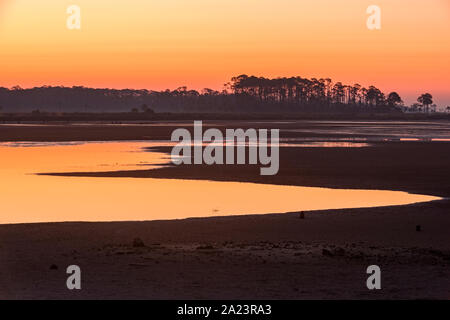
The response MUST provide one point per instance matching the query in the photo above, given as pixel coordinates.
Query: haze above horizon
(168, 44)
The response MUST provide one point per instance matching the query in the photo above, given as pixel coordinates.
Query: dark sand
(416, 167)
(278, 256)
(248, 257)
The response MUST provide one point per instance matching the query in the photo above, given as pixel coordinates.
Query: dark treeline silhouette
(313, 94)
(243, 94)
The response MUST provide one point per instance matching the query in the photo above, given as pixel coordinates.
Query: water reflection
(27, 197)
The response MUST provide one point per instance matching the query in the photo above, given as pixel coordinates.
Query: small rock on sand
(208, 247)
(138, 243)
(339, 251)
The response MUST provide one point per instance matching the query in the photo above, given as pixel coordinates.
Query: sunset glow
(199, 43)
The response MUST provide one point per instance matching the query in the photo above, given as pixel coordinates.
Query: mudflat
(324, 256)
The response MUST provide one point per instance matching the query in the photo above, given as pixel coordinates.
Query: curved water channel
(30, 198)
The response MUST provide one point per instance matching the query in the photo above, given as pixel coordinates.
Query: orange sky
(162, 44)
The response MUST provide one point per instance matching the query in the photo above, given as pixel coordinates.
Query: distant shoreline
(131, 116)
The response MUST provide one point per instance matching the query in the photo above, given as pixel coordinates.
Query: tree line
(242, 94)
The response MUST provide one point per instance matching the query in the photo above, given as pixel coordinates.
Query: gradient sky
(159, 44)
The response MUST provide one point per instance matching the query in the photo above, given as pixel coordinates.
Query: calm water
(27, 197)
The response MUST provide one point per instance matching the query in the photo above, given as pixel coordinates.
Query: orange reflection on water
(29, 198)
